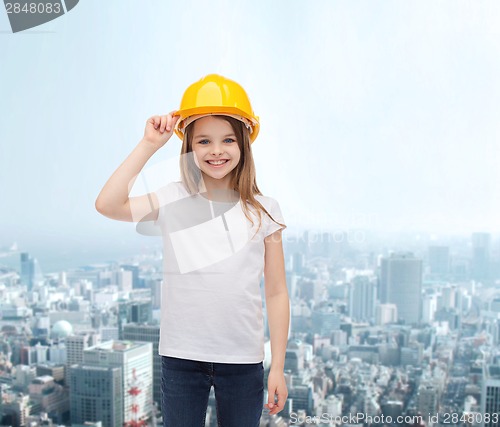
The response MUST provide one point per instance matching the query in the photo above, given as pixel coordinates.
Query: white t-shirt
(211, 305)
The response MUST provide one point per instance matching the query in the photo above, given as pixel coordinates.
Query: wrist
(277, 368)
(148, 145)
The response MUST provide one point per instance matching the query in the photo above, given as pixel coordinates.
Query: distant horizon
(51, 258)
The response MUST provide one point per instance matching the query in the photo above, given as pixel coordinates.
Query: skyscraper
(362, 296)
(427, 399)
(135, 274)
(490, 393)
(148, 333)
(481, 243)
(28, 267)
(401, 284)
(96, 395)
(75, 344)
(135, 361)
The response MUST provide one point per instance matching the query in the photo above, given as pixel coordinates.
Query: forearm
(278, 315)
(116, 190)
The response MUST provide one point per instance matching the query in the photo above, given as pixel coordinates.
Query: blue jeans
(186, 384)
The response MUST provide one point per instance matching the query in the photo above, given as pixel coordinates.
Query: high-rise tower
(401, 284)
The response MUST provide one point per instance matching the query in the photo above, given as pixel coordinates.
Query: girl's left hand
(276, 384)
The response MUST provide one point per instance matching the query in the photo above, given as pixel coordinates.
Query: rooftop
(116, 346)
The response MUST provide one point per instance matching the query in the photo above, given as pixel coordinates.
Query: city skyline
(355, 344)
(53, 259)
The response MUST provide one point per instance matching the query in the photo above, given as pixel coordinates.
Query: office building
(362, 297)
(136, 311)
(148, 333)
(28, 270)
(490, 393)
(76, 344)
(135, 361)
(96, 395)
(481, 245)
(385, 314)
(401, 284)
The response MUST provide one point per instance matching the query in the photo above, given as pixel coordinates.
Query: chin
(216, 174)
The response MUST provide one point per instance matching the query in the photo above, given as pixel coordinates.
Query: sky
(374, 114)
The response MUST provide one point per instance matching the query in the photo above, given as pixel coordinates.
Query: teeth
(218, 162)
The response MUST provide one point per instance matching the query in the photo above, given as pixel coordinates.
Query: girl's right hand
(159, 129)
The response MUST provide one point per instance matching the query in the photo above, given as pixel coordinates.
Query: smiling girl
(220, 235)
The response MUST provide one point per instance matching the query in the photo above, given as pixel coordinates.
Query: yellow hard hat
(216, 95)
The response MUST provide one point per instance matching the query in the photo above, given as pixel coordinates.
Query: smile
(217, 163)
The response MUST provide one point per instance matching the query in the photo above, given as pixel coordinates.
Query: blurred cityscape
(381, 334)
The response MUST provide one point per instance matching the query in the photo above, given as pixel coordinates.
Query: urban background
(380, 140)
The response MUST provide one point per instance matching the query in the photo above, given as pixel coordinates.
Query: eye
(206, 141)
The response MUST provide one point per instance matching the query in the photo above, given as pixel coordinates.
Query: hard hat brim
(252, 123)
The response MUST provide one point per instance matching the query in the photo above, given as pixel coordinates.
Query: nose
(217, 149)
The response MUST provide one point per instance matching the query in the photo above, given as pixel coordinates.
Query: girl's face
(215, 148)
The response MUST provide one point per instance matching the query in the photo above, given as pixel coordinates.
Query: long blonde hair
(243, 178)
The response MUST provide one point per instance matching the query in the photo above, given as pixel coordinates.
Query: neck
(217, 190)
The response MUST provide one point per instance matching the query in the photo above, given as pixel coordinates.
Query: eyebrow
(208, 136)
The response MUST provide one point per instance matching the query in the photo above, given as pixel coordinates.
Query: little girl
(220, 234)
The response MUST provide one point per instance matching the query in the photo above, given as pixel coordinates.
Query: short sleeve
(166, 194)
(275, 212)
